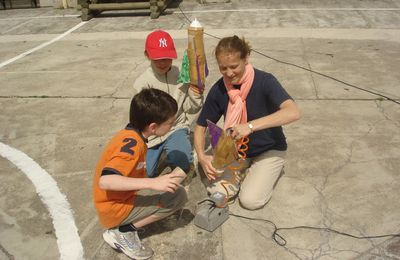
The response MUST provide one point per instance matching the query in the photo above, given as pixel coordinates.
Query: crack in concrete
(122, 83)
(309, 67)
(8, 255)
(185, 22)
(130, 72)
(327, 213)
(384, 113)
(365, 18)
(257, 230)
(29, 135)
(15, 27)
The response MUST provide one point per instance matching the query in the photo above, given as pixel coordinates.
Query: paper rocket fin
(184, 74)
(215, 133)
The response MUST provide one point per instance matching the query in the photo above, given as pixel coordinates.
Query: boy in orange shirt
(124, 198)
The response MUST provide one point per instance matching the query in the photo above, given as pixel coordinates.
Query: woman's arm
(204, 160)
(288, 112)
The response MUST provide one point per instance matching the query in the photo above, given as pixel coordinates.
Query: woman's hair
(151, 106)
(233, 44)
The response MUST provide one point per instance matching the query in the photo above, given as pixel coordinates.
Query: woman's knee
(252, 202)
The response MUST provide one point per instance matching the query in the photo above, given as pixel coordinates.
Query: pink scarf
(237, 112)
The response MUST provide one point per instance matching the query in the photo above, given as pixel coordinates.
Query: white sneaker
(127, 242)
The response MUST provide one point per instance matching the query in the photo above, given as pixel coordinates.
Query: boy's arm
(165, 183)
(118, 182)
(194, 101)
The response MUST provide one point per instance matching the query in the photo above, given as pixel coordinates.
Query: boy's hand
(196, 89)
(168, 182)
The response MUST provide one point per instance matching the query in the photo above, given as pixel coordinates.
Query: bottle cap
(219, 199)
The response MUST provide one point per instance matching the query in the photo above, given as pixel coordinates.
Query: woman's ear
(246, 60)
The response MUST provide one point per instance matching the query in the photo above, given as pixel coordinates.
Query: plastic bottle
(197, 60)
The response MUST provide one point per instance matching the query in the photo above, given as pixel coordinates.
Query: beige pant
(151, 202)
(256, 179)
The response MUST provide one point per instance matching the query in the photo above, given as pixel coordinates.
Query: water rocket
(224, 147)
(194, 69)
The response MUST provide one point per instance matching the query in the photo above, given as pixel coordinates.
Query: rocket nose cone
(195, 23)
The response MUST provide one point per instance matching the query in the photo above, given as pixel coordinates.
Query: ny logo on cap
(162, 42)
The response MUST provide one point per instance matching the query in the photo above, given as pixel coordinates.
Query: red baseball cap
(159, 45)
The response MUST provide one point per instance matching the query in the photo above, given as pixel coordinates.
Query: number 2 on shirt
(130, 143)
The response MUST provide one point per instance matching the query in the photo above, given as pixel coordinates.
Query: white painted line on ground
(41, 17)
(68, 241)
(41, 45)
(287, 9)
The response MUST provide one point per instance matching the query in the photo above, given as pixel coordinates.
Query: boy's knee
(176, 200)
(172, 202)
(179, 159)
(181, 198)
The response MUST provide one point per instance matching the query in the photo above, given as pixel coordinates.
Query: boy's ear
(146, 54)
(153, 128)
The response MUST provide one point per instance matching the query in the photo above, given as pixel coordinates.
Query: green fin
(184, 76)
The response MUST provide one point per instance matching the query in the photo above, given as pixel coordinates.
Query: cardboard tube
(197, 60)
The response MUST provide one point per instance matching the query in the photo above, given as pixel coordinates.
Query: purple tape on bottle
(215, 132)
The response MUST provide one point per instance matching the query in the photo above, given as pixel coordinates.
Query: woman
(254, 104)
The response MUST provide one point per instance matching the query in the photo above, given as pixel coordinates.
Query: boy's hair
(151, 106)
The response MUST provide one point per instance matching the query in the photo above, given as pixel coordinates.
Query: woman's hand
(239, 131)
(206, 163)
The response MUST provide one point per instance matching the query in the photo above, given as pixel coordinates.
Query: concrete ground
(62, 98)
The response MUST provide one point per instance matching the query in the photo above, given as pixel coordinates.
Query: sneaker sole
(120, 248)
(109, 242)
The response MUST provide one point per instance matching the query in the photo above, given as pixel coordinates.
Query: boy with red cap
(161, 74)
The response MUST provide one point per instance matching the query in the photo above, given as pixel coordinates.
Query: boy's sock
(127, 228)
